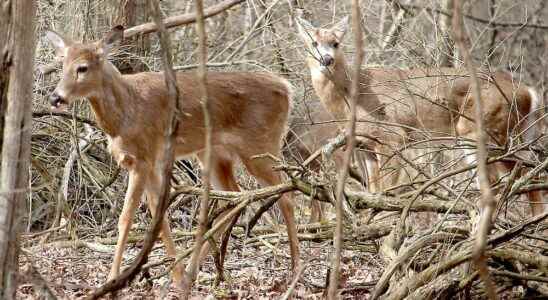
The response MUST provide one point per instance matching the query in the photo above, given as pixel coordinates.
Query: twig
(527, 177)
(258, 214)
(521, 276)
(62, 194)
(423, 277)
(404, 255)
(516, 230)
(169, 22)
(38, 114)
(350, 141)
(294, 282)
(490, 23)
(188, 281)
(249, 35)
(487, 202)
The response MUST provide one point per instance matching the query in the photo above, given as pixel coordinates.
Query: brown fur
(248, 113)
(397, 106)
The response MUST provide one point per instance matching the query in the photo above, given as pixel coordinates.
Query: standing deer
(397, 106)
(249, 114)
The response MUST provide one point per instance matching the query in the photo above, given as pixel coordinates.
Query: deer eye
(335, 45)
(314, 44)
(81, 69)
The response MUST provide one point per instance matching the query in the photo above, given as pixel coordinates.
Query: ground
(258, 268)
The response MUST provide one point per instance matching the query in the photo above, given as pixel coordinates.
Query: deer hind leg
(153, 192)
(225, 179)
(316, 207)
(131, 202)
(372, 166)
(222, 178)
(262, 170)
(316, 211)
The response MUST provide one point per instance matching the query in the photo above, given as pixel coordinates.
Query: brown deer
(397, 106)
(249, 114)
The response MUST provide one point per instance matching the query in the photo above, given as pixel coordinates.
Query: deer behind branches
(399, 107)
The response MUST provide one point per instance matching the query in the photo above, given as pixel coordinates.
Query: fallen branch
(404, 255)
(525, 257)
(425, 276)
(521, 276)
(364, 200)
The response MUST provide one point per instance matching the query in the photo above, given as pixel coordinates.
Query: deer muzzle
(56, 100)
(326, 60)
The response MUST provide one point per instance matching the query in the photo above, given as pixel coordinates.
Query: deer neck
(110, 103)
(332, 87)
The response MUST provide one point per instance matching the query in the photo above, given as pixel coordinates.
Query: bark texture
(16, 138)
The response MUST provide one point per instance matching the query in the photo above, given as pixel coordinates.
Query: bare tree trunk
(446, 56)
(16, 148)
(398, 21)
(129, 14)
(5, 11)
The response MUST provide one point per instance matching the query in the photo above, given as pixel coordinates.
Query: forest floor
(256, 267)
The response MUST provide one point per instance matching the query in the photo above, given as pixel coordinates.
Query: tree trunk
(16, 141)
(5, 11)
(129, 14)
(447, 55)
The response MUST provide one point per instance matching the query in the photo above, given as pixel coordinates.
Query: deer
(397, 106)
(249, 113)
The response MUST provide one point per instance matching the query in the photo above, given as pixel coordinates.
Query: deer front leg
(153, 193)
(131, 202)
(373, 172)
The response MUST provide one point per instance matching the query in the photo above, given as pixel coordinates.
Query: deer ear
(112, 40)
(305, 29)
(340, 28)
(59, 43)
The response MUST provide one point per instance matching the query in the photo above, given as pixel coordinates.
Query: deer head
(323, 45)
(84, 65)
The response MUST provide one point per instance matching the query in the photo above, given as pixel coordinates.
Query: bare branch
(206, 160)
(350, 140)
(490, 23)
(487, 203)
(182, 19)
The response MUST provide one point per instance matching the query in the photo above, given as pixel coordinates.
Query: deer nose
(326, 60)
(55, 99)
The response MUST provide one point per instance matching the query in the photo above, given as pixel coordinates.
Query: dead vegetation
(77, 188)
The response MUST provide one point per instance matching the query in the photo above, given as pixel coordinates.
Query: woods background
(76, 193)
